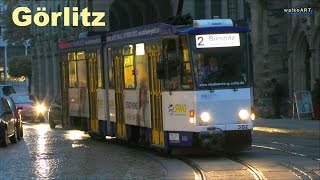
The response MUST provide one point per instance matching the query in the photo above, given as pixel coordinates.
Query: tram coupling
(213, 139)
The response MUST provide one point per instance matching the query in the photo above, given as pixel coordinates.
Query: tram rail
(198, 173)
(287, 151)
(258, 175)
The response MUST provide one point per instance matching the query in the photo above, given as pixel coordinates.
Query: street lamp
(26, 43)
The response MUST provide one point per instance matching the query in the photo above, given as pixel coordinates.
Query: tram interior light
(140, 49)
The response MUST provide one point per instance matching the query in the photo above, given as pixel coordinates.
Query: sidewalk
(293, 126)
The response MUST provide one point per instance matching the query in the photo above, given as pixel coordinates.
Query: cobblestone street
(60, 154)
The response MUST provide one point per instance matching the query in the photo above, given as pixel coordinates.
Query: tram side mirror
(161, 73)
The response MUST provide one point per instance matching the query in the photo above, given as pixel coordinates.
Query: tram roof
(90, 41)
(136, 33)
(205, 30)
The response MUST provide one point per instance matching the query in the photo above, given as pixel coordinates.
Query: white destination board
(217, 40)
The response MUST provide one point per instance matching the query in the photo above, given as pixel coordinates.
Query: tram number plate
(174, 136)
(242, 126)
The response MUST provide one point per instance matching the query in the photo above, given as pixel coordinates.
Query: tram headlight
(253, 116)
(243, 114)
(192, 120)
(205, 117)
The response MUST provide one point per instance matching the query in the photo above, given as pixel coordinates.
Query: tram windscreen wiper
(211, 89)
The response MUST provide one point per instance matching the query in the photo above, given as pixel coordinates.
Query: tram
(164, 86)
(82, 84)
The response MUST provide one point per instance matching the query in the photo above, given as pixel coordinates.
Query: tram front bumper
(212, 139)
(215, 139)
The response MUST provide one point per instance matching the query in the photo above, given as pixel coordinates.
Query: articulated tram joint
(212, 139)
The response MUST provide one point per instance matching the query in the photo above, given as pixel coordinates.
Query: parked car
(31, 109)
(6, 90)
(55, 112)
(17, 115)
(8, 123)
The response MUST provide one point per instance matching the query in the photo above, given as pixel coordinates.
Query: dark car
(6, 90)
(17, 115)
(8, 123)
(30, 108)
(55, 112)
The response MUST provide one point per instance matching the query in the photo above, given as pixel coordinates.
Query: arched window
(216, 8)
(232, 9)
(199, 9)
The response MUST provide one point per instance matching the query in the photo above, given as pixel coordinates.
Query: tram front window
(221, 67)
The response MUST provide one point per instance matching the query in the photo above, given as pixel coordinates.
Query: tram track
(258, 175)
(286, 151)
(299, 172)
(198, 173)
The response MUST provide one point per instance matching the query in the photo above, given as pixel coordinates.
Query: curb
(286, 131)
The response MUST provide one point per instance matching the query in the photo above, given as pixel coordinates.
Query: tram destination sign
(217, 40)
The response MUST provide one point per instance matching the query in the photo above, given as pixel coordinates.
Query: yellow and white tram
(164, 86)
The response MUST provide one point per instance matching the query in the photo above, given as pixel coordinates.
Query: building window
(216, 8)
(232, 9)
(199, 11)
(247, 12)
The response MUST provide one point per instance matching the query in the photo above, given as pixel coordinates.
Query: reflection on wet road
(71, 154)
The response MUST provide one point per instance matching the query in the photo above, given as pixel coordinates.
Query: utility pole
(5, 63)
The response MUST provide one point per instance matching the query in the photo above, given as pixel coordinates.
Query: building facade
(285, 46)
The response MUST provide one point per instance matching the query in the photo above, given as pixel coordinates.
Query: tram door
(64, 74)
(119, 86)
(155, 101)
(94, 126)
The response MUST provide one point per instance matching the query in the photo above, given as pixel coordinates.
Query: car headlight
(243, 114)
(40, 108)
(205, 117)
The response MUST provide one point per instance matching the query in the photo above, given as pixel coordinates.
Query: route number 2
(201, 40)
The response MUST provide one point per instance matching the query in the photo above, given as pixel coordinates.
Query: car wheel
(52, 126)
(5, 140)
(14, 138)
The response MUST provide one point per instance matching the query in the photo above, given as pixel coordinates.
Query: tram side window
(100, 83)
(111, 68)
(129, 67)
(170, 58)
(82, 69)
(129, 75)
(73, 78)
(187, 82)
